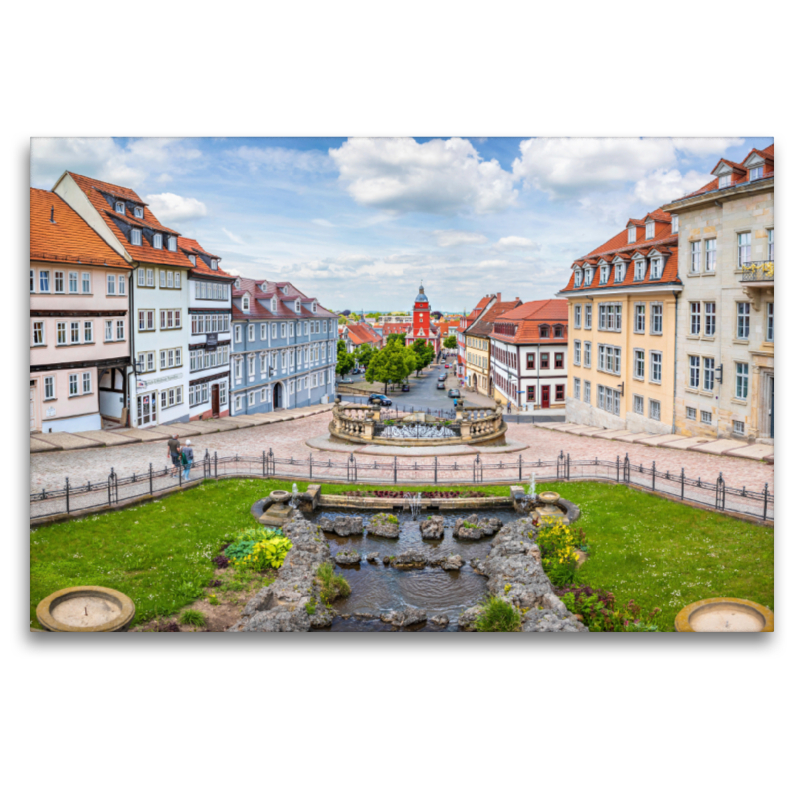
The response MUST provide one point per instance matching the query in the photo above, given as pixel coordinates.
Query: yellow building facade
(623, 301)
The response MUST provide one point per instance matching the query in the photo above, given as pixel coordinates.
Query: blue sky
(359, 223)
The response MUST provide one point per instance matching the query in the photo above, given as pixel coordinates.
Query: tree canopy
(450, 343)
(364, 354)
(393, 364)
(423, 354)
(344, 361)
(396, 337)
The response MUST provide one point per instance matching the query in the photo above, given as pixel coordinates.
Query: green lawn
(644, 548)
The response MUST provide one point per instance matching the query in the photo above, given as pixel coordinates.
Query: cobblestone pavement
(287, 441)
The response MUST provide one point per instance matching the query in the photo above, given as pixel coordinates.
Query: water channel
(377, 587)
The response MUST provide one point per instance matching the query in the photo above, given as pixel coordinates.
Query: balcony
(758, 279)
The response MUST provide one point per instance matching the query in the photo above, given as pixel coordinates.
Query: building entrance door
(146, 409)
(545, 397)
(277, 397)
(215, 400)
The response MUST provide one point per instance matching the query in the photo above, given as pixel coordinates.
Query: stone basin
(86, 609)
(725, 615)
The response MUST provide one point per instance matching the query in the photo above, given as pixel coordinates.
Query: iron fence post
(263, 463)
(271, 462)
(567, 466)
(151, 477)
(110, 479)
(310, 465)
(395, 470)
(617, 467)
(216, 466)
(682, 481)
(180, 477)
(766, 498)
(654, 476)
(67, 495)
(436, 469)
(520, 466)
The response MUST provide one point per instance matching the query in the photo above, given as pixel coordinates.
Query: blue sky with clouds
(359, 222)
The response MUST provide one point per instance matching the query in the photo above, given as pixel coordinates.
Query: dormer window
(619, 272)
(264, 286)
(286, 290)
(157, 241)
(650, 230)
(655, 268)
(604, 270)
(724, 181)
(544, 332)
(558, 332)
(756, 173)
(136, 236)
(313, 308)
(638, 273)
(138, 212)
(214, 263)
(578, 276)
(587, 280)
(172, 243)
(674, 224)
(193, 259)
(119, 207)
(273, 305)
(296, 306)
(237, 283)
(246, 304)
(631, 234)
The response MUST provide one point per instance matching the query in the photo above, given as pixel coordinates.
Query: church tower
(421, 324)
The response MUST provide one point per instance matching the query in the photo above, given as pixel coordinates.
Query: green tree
(392, 365)
(450, 343)
(396, 337)
(364, 354)
(344, 361)
(423, 354)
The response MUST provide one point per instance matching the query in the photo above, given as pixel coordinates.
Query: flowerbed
(395, 494)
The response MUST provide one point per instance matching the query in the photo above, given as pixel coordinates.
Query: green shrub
(498, 616)
(599, 611)
(331, 585)
(193, 617)
(557, 543)
(311, 608)
(385, 519)
(266, 554)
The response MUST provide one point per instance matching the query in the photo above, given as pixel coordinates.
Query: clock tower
(421, 323)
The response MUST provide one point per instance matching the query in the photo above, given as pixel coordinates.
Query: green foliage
(385, 519)
(450, 343)
(396, 338)
(331, 585)
(214, 600)
(469, 525)
(423, 354)
(192, 616)
(497, 616)
(599, 611)
(557, 543)
(311, 608)
(344, 361)
(393, 364)
(266, 554)
(364, 353)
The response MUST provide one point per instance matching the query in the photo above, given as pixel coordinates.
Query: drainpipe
(131, 395)
(675, 363)
(538, 373)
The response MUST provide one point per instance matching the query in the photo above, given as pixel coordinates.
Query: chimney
(499, 297)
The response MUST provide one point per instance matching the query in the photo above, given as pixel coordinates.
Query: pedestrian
(508, 407)
(455, 402)
(174, 453)
(187, 459)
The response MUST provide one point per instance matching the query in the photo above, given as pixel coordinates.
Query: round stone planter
(86, 609)
(725, 615)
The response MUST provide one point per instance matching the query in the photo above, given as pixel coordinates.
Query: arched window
(246, 304)
(296, 306)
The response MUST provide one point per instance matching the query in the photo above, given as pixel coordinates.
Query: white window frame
(743, 248)
(119, 207)
(631, 234)
(656, 366)
(49, 387)
(711, 254)
(638, 364)
(708, 374)
(695, 318)
(656, 319)
(743, 322)
(638, 404)
(86, 279)
(650, 230)
(655, 410)
(696, 256)
(158, 241)
(577, 348)
(710, 319)
(578, 310)
(742, 382)
(136, 237)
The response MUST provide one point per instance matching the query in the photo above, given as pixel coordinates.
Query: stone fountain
(280, 510)
(86, 609)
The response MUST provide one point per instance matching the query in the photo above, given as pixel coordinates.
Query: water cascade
(417, 432)
(413, 502)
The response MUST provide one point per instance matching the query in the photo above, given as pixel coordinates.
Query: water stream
(377, 588)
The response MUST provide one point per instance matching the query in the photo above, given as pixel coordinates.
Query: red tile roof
(95, 190)
(483, 327)
(740, 174)
(664, 242)
(192, 248)
(363, 333)
(527, 320)
(70, 238)
(260, 301)
(390, 328)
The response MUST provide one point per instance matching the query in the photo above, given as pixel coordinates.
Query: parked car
(346, 380)
(454, 393)
(440, 385)
(443, 376)
(384, 400)
(406, 387)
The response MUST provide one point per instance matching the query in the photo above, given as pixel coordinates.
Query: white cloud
(516, 243)
(565, 167)
(664, 185)
(493, 263)
(233, 237)
(437, 177)
(323, 222)
(707, 146)
(170, 207)
(107, 159)
(453, 238)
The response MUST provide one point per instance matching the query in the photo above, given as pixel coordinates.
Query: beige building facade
(725, 350)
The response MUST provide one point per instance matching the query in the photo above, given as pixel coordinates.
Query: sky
(358, 223)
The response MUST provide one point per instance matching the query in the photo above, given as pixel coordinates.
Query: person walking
(187, 459)
(508, 407)
(174, 453)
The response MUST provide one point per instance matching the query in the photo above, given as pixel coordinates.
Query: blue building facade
(283, 348)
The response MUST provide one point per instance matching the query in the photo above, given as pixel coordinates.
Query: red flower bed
(391, 493)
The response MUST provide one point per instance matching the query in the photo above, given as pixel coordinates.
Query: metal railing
(716, 494)
(753, 271)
